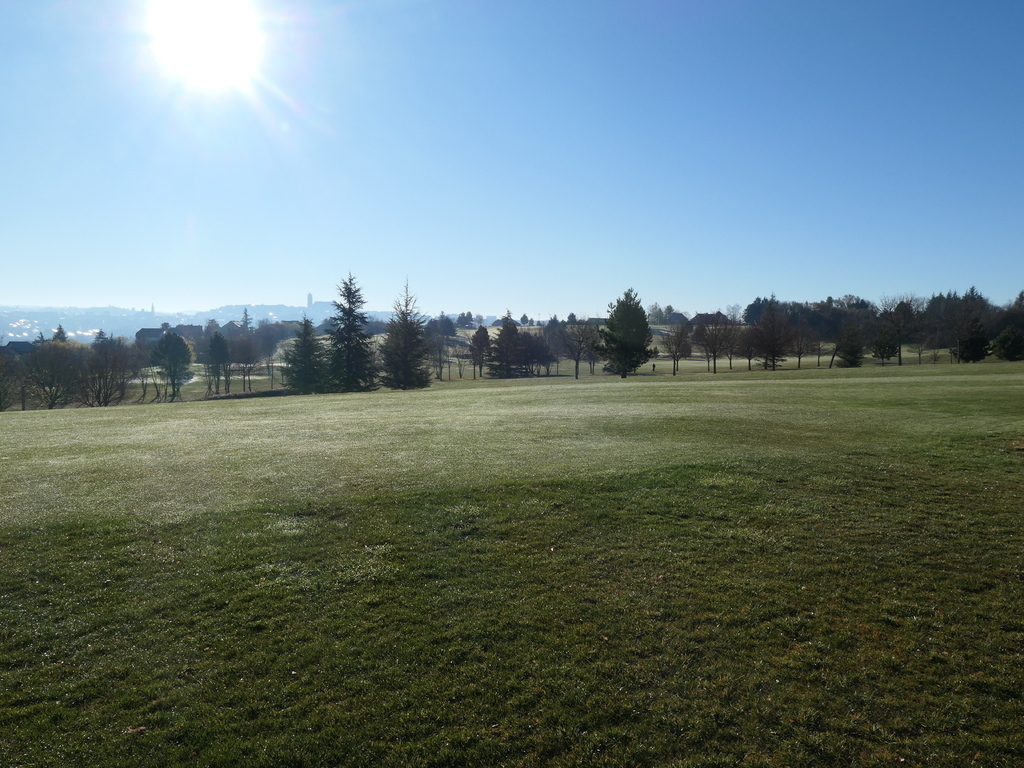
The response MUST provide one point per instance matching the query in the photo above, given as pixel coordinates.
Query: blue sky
(535, 156)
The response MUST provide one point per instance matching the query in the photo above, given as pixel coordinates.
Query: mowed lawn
(801, 568)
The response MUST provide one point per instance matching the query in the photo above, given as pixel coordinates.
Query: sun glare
(209, 44)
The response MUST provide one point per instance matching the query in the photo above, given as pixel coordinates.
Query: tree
(479, 349)
(219, 356)
(211, 327)
(885, 347)
(10, 379)
(305, 361)
(441, 325)
(536, 353)
(267, 336)
(53, 372)
(405, 353)
(677, 344)
(956, 317)
(919, 346)
(245, 353)
(554, 337)
(110, 366)
(901, 316)
(746, 345)
(714, 335)
(217, 359)
(505, 358)
(849, 348)
(735, 314)
(439, 332)
(772, 334)
(1009, 344)
(656, 315)
(173, 357)
(578, 338)
(754, 309)
(974, 347)
(803, 341)
(351, 366)
(60, 334)
(626, 338)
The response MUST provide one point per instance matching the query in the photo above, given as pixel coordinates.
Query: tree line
(58, 371)
(414, 349)
(355, 354)
(767, 333)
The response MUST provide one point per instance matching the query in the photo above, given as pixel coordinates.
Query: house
(17, 348)
(146, 337)
(193, 333)
(709, 318)
(232, 330)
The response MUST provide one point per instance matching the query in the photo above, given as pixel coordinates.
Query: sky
(535, 156)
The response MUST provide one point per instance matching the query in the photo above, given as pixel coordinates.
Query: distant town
(22, 323)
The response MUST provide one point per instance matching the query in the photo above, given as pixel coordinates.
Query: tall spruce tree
(849, 348)
(405, 354)
(626, 338)
(479, 349)
(304, 361)
(974, 347)
(504, 359)
(352, 365)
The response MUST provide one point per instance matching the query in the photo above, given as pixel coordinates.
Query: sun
(208, 44)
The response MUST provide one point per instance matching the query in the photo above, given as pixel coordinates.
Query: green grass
(805, 568)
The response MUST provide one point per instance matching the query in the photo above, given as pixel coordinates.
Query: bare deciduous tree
(53, 371)
(579, 339)
(677, 344)
(110, 366)
(713, 336)
(246, 355)
(803, 341)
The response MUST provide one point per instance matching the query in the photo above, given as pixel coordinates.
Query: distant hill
(19, 323)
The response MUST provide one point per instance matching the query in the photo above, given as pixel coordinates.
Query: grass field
(806, 568)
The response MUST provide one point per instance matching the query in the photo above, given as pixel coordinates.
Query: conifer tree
(480, 348)
(626, 338)
(352, 365)
(305, 365)
(849, 348)
(974, 347)
(1009, 344)
(405, 354)
(504, 360)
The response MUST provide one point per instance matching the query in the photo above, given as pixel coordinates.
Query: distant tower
(152, 309)
(309, 301)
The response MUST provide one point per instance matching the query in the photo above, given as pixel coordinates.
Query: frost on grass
(178, 460)
(362, 565)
